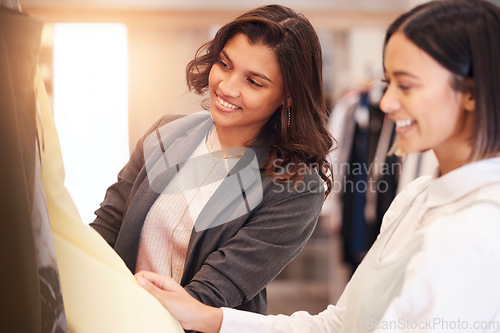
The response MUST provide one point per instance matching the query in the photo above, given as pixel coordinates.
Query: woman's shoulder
(468, 238)
(489, 193)
(169, 128)
(179, 119)
(478, 213)
(473, 223)
(403, 199)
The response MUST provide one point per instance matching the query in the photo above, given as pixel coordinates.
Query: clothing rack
(365, 177)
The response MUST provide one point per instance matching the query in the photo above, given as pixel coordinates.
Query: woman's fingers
(150, 287)
(159, 281)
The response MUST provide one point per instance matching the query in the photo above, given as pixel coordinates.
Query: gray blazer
(227, 264)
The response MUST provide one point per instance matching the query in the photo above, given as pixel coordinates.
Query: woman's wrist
(209, 319)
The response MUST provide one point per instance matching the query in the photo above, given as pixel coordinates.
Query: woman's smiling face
(246, 88)
(428, 112)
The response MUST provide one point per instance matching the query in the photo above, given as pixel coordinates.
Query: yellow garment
(100, 294)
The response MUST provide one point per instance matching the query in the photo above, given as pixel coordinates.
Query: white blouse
(434, 267)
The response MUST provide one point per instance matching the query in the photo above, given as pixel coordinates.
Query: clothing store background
(161, 37)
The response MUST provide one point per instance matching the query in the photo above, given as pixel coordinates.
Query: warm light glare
(91, 108)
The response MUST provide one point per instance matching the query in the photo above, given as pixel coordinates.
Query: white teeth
(226, 104)
(403, 123)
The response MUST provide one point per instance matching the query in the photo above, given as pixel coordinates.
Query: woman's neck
(451, 159)
(230, 146)
(231, 137)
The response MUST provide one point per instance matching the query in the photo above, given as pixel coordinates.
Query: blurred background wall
(164, 34)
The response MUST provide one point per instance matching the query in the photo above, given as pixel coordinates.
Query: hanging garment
(31, 298)
(365, 178)
(355, 181)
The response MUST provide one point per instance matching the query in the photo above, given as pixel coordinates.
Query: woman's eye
(402, 87)
(223, 64)
(255, 83)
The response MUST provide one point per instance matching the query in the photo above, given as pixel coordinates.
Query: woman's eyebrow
(226, 56)
(404, 73)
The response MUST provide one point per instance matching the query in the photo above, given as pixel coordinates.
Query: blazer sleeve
(271, 237)
(109, 216)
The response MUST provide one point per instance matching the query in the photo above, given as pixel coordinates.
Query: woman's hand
(191, 314)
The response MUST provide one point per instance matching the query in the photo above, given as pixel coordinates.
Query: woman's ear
(289, 102)
(468, 98)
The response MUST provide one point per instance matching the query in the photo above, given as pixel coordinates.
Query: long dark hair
(464, 37)
(303, 140)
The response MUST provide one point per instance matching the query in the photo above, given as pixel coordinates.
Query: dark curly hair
(306, 142)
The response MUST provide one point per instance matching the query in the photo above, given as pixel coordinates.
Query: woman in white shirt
(435, 266)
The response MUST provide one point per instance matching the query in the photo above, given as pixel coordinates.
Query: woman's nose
(229, 86)
(389, 101)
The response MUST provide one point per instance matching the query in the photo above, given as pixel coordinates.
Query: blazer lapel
(221, 204)
(127, 243)
(238, 194)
